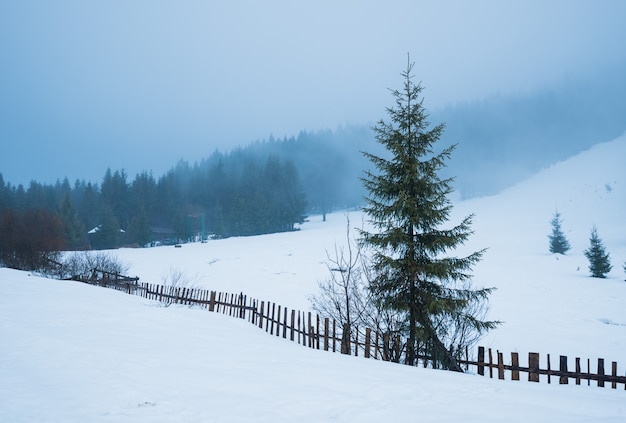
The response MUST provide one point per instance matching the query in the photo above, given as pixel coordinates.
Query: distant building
(163, 236)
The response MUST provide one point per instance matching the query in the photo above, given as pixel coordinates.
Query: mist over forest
(501, 139)
(272, 184)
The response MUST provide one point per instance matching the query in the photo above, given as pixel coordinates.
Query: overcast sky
(87, 85)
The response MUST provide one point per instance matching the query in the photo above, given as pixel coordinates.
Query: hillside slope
(548, 302)
(73, 352)
(77, 353)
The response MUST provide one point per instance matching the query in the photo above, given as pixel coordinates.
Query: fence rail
(311, 331)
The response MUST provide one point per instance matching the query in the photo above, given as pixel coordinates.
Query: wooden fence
(112, 280)
(309, 330)
(534, 370)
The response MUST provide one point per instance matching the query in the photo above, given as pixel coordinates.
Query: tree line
(229, 195)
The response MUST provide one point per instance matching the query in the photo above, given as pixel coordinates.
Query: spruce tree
(407, 205)
(558, 242)
(599, 260)
(139, 230)
(73, 227)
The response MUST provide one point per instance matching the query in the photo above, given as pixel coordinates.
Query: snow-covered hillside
(72, 352)
(77, 353)
(548, 302)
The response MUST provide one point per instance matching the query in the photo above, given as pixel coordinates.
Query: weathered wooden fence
(309, 330)
(112, 280)
(564, 371)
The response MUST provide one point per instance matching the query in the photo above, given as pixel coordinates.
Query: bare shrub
(82, 264)
(179, 279)
(345, 297)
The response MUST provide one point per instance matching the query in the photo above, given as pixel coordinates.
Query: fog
(139, 85)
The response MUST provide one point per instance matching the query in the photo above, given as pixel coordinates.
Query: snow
(73, 352)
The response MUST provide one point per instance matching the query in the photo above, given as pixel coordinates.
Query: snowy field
(77, 353)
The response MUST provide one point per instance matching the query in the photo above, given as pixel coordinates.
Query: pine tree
(599, 260)
(107, 235)
(139, 230)
(407, 204)
(558, 242)
(74, 229)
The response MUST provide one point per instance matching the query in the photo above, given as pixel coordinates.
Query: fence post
(308, 325)
(386, 346)
(345, 339)
(549, 369)
(293, 324)
(500, 366)
(317, 337)
(252, 311)
(396, 348)
(490, 364)
(299, 328)
(212, 301)
(285, 323)
(577, 370)
(376, 347)
(261, 315)
(368, 336)
(515, 365)
(326, 325)
(533, 367)
(601, 372)
(481, 361)
(563, 369)
(614, 373)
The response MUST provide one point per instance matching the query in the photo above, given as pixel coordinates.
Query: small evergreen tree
(599, 260)
(558, 243)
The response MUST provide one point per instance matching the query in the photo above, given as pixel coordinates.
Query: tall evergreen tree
(407, 205)
(139, 230)
(114, 191)
(558, 242)
(599, 260)
(107, 235)
(5, 195)
(74, 229)
(90, 209)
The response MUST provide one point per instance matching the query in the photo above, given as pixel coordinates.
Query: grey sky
(140, 84)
